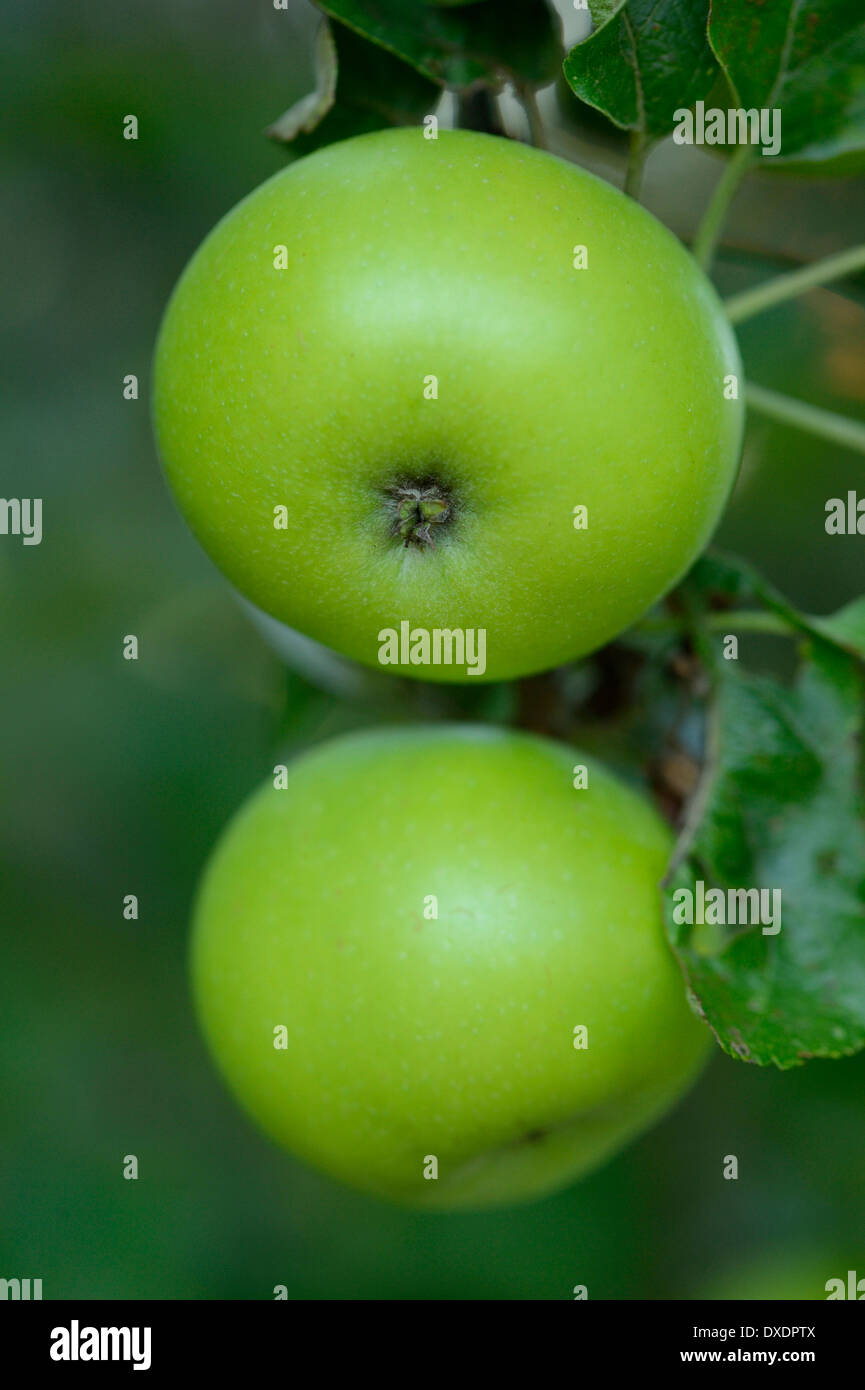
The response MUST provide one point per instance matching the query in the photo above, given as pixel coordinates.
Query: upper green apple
(430, 914)
(389, 341)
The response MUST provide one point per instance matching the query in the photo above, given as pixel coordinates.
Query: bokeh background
(116, 777)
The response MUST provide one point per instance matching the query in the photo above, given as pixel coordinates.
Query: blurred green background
(116, 777)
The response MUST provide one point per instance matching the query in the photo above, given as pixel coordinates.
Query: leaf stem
(837, 429)
(728, 620)
(638, 149)
(696, 808)
(744, 306)
(709, 229)
(529, 101)
(752, 620)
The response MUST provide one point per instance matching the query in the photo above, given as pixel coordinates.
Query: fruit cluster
(458, 385)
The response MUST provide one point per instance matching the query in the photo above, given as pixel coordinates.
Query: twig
(744, 306)
(713, 219)
(823, 423)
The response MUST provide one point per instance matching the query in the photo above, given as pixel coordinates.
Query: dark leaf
(507, 40)
(805, 58)
(645, 60)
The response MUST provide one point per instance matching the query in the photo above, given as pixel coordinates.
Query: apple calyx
(416, 509)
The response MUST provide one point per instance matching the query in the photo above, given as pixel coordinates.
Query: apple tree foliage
(764, 777)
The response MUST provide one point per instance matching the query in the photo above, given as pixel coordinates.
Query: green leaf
(782, 810)
(360, 87)
(510, 40)
(841, 155)
(730, 579)
(807, 59)
(779, 808)
(846, 627)
(645, 60)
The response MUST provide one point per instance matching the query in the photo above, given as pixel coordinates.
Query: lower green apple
(433, 968)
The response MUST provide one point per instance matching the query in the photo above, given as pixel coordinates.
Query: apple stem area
(418, 511)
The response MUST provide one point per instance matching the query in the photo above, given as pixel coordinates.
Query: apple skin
(454, 1037)
(304, 387)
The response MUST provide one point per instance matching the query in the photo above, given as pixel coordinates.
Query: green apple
(382, 388)
(432, 915)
